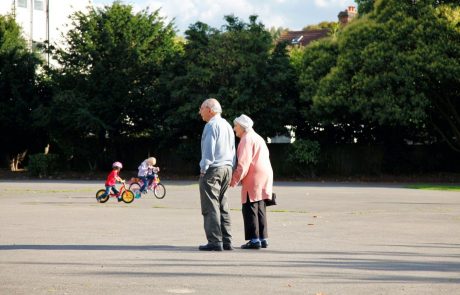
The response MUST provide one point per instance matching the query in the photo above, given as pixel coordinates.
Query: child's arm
(118, 178)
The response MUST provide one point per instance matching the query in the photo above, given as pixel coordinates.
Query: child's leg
(144, 183)
(106, 193)
(114, 190)
(150, 177)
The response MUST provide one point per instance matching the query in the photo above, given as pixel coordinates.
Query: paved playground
(325, 238)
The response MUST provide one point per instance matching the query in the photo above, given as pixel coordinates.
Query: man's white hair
(213, 104)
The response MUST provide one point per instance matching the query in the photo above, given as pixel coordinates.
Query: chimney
(347, 15)
(351, 12)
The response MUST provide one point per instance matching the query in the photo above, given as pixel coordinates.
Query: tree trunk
(17, 160)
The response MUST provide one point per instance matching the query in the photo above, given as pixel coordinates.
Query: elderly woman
(255, 173)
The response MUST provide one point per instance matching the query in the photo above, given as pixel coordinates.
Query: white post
(31, 23)
(13, 9)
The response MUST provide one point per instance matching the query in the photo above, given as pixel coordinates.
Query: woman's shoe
(251, 245)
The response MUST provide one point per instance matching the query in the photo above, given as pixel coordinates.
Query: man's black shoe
(210, 247)
(228, 247)
(264, 243)
(251, 245)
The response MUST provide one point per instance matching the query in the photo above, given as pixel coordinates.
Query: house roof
(303, 38)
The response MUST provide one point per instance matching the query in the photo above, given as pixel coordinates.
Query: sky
(292, 14)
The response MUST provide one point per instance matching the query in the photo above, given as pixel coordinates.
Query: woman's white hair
(244, 121)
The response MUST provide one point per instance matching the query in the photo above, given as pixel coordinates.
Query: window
(38, 4)
(22, 3)
(296, 40)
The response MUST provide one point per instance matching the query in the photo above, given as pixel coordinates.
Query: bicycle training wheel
(127, 196)
(135, 187)
(100, 193)
(159, 191)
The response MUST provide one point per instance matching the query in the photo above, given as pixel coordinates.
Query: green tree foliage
(320, 26)
(240, 66)
(19, 87)
(392, 71)
(316, 62)
(364, 6)
(192, 82)
(42, 165)
(304, 156)
(277, 32)
(109, 86)
(438, 51)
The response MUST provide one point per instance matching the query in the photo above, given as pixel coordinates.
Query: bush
(303, 154)
(41, 165)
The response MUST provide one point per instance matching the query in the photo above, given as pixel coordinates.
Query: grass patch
(437, 187)
(288, 211)
(277, 211)
(85, 190)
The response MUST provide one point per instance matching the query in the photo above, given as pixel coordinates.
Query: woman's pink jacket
(254, 169)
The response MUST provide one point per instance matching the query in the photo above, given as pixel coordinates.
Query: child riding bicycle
(147, 171)
(112, 179)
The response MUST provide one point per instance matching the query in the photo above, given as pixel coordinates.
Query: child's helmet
(117, 165)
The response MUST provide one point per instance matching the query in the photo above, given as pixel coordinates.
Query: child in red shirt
(112, 179)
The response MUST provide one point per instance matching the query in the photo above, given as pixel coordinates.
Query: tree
(19, 88)
(240, 66)
(109, 85)
(439, 49)
(364, 6)
(277, 32)
(397, 68)
(192, 82)
(316, 62)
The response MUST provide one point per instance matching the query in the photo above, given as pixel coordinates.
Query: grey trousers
(214, 204)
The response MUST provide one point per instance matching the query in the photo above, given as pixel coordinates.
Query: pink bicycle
(154, 186)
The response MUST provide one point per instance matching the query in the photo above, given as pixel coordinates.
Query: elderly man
(217, 161)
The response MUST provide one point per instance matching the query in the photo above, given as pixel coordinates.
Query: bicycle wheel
(159, 191)
(135, 187)
(100, 193)
(127, 196)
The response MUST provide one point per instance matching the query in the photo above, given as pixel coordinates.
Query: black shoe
(119, 199)
(228, 247)
(210, 247)
(251, 245)
(264, 243)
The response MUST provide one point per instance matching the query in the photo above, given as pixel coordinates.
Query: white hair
(244, 121)
(213, 104)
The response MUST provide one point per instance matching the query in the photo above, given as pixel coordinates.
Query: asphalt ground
(324, 238)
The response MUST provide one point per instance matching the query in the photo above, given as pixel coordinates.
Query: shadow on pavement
(100, 247)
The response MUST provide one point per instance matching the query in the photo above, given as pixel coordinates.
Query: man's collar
(215, 117)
